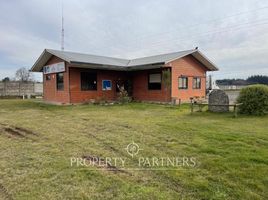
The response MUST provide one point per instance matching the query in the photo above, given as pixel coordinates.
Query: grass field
(37, 142)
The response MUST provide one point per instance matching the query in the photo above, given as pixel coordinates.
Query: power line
(232, 28)
(202, 23)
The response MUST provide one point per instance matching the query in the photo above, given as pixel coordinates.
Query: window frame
(87, 88)
(195, 83)
(187, 82)
(150, 84)
(57, 82)
(48, 77)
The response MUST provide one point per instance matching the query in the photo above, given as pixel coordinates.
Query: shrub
(123, 96)
(254, 100)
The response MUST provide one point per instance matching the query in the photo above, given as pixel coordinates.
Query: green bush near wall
(254, 100)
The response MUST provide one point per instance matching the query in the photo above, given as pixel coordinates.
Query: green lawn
(37, 142)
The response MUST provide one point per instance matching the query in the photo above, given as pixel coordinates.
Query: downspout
(69, 84)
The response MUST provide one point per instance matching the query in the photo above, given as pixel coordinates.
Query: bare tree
(23, 75)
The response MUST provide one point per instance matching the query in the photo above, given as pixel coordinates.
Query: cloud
(232, 33)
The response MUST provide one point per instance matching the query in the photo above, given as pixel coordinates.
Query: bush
(254, 100)
(123, 96)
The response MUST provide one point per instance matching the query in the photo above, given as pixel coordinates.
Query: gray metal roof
(104, 62)
(162, 58)
(88, 58)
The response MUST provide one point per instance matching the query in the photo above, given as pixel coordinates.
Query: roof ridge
(126, 59)
(162, 54)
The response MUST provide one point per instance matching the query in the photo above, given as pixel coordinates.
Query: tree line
(255, 79)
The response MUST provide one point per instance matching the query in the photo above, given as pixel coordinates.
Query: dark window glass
(60, 81)
(183, 82)
(196, 83)
(154, 82)
(88, 81)
(48, 77)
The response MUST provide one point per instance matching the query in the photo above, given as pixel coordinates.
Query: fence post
(235, 111)
(5, 88)
(192, 106)
(19, 90)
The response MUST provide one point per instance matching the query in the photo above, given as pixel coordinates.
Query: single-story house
(71, 77)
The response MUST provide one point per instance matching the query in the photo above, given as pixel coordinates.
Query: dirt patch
(26, 131)
(113, 149)
(15, 131)
(124, 126)
(101, 164)
(4, 194)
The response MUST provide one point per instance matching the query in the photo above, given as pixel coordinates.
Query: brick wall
(51, 94)
(141, 91)
(190, 67)
(78, 96)
(187, 66)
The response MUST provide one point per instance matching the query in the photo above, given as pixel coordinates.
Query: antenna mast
(62, 28)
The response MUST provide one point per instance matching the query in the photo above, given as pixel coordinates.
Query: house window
(48, 77)
(154, 82)
(106, 85)
(60, 81)
(196, 83)
(183, 82)
(88, 81)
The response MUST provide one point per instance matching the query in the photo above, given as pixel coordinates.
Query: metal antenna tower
(62, 28)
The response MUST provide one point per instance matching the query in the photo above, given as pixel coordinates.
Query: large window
(183, 82)
(196, 83)
(88, 81)
(60, 81)
(154, 82)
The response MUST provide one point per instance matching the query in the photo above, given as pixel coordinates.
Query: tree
(166, 79)
(232, 82)
(6, 79)
(23, 75)
(258, 79)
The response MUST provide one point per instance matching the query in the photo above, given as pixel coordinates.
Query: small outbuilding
(71, 77)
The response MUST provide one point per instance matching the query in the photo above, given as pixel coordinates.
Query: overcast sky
(232, 33)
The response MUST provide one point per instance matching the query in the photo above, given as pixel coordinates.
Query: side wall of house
(51, 94)
(79, 96)
(141, 92)
(190, 67)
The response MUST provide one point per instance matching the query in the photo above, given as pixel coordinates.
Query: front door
(124, 85)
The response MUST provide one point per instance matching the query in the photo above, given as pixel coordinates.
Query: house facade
(70, 77)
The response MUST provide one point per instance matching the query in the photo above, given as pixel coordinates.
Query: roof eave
(97, 66)
(35, 65)
(208, 63)
(205, 61)
(43, 59)
(145, 67)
